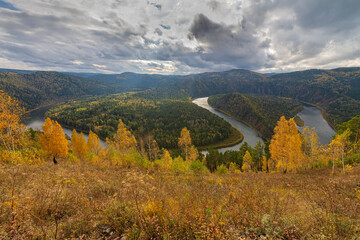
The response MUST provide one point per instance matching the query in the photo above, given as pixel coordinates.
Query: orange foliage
(53, 141)
(285, 146)
(78, 145)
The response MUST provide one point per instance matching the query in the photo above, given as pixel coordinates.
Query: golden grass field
(85, 201)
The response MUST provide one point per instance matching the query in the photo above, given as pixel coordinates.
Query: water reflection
(312, 117)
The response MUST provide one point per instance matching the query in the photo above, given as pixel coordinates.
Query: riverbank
(235, 138)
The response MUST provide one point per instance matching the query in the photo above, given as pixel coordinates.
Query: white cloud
(99, 66)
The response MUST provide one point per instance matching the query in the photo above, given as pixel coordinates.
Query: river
(311, 116)
(250, 135)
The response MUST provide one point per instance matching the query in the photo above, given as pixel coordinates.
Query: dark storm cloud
(228, 43)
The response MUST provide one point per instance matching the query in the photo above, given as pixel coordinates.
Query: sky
(179, 36)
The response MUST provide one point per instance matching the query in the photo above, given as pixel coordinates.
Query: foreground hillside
(84, 201)
(259, 112)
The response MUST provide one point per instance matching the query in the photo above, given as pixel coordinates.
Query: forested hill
(38, 88)
(259, 112)
(337, 91)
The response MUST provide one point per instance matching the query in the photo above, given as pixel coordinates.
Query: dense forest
(261, 112)
(162, 118)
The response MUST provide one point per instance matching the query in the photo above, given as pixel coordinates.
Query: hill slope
(259, 112)
(38, 88)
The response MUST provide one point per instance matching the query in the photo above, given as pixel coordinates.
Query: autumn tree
(311, 145)
(193, 154)
(53, 141)
(165, 161)
(123, 141)
(11, 131)
(149, 147)
(338, 146)
(285, 146)
(185, 141)
(93, 144)
(78, 145)
(246, 167)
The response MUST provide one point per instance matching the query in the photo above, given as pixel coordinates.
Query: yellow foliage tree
(78, 145)
(165, 161)
(193, 154)
(312, 146)
(11, 131)
(185, 141)
(285, 146)
(338, 146)
(53, 141)
(93, 143)
(123, 141)
(246, 167)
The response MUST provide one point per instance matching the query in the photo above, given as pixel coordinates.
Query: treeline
(162, 118)
(261, 112)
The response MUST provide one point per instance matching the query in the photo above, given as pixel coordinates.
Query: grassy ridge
(80, 200)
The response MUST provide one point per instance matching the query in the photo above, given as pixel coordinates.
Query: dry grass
(83, 201)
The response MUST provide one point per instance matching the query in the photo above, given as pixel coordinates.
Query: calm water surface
(313, 118)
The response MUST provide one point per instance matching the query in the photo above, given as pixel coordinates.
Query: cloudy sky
(179, 36)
